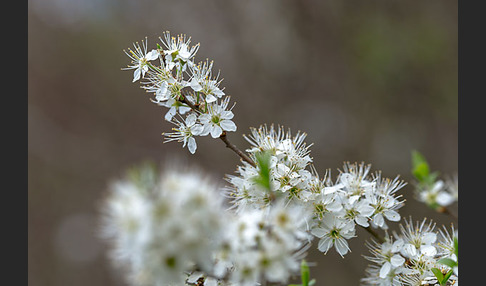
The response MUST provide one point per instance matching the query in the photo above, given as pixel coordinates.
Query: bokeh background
(367, 80)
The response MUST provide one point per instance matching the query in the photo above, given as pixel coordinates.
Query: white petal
(227, 114)
(385, 269)
(195, 85)
(183, 109)
(228, 125)
(397, 260)
(429, 238)
(197, 129)
(162, 92)
(362, 221)
(330, 190)
(204, 118)
(341, 246)
(170, 113)
(152, 55)
(366, 210)
(410, 250)
(353, 199)
(397, 245)
(444, 199)
(428, 250)
(194, 277)
(136, 75)
(216, 131)
(210, 282)
(319, 232)
(206, 129)
(324, 244)
(191, 145)
(218, 92)
(191, 119)
(392, 215)
(210, 98)
(379, 220)
(329, 221)
(335, 206)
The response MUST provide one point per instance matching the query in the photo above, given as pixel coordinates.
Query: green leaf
(312, 282)
(438, 274)
(420, 167)
(446, 277)
(263, 162)
(447, 261)
(304, 273)
(456, 247)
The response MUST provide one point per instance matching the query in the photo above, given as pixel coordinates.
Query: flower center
(215, 119)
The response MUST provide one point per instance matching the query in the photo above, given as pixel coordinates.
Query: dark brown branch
(242, 155)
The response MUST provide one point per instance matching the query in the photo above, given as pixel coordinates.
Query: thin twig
(242, 155)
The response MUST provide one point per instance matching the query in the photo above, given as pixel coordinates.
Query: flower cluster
(196, 103)
(161, 225)
(264, 245)
(166, 226)
(356, 198)
(409, 257)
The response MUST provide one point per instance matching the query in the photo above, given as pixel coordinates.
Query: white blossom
(203, 82)
(407, 257)
(217, 119)
(160, 225)
(334, 231)
(140, 58)
(185, 132)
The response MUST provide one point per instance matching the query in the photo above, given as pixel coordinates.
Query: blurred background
(366, 80)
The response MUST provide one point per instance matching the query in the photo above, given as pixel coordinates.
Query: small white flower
(178, 52)
(217, 120)
(203, 82)
(440, 193)
(175, 107)
(140, 58)
(161, 224)
(185, 132)
(334, 231)
(419, 239)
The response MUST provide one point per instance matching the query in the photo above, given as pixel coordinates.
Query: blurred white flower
(161, 225)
